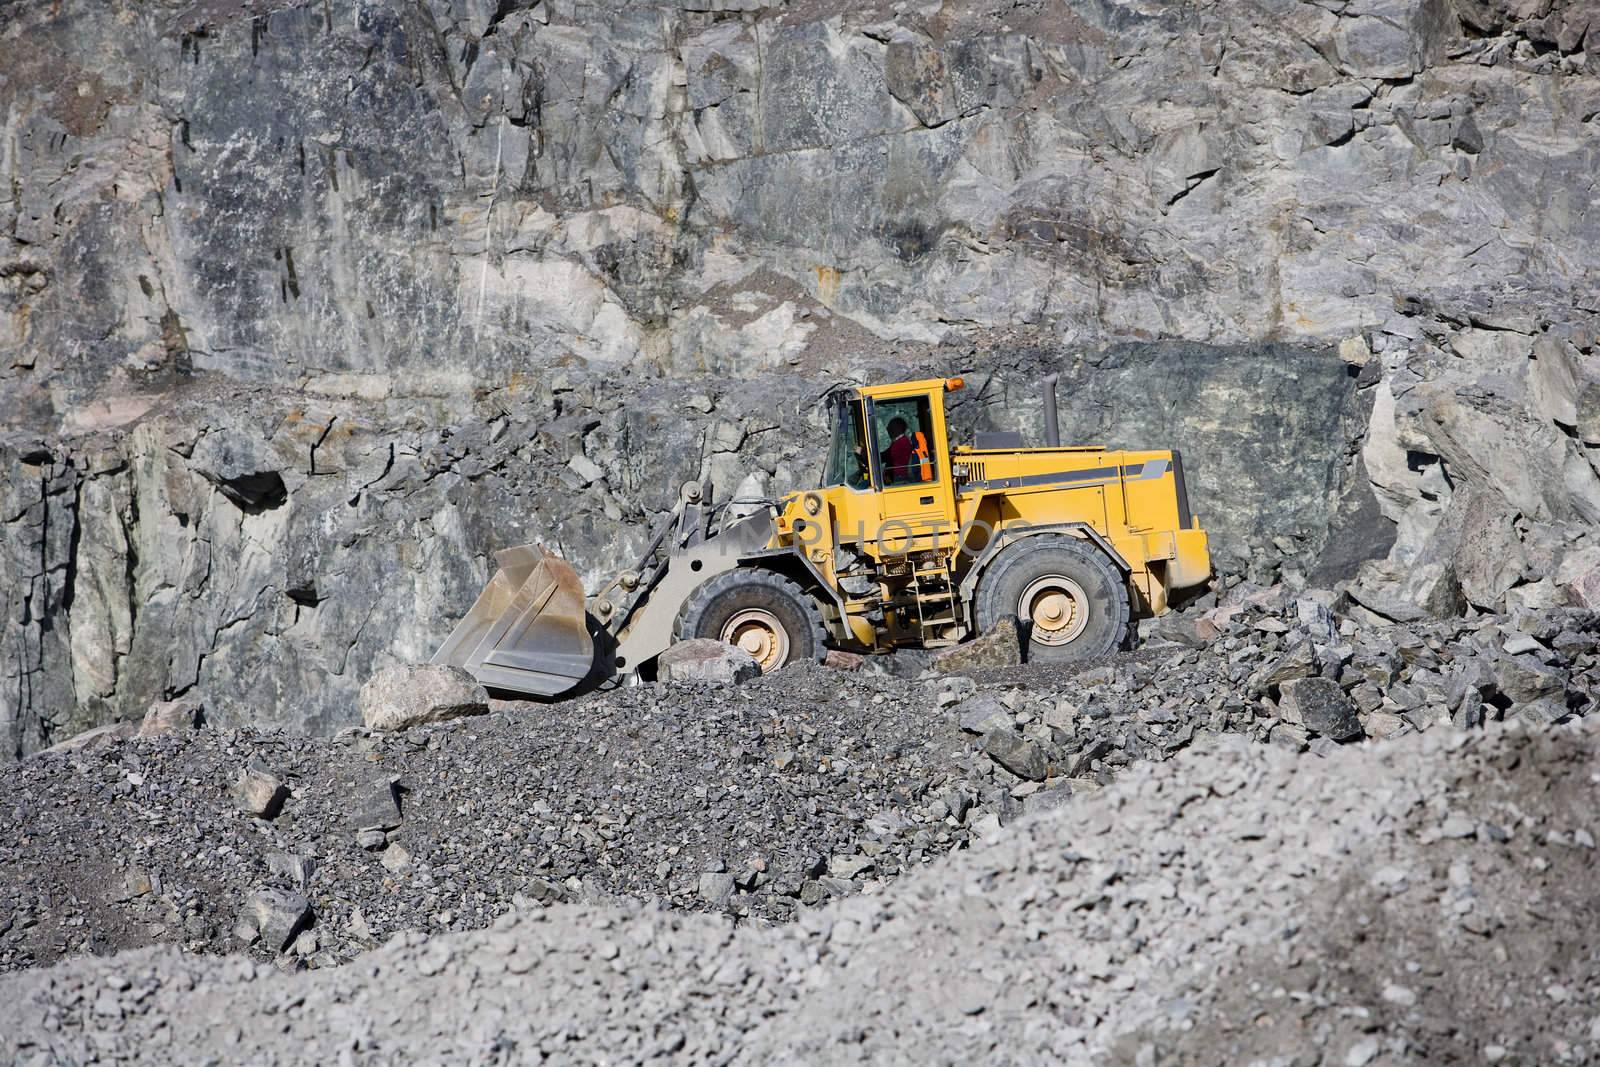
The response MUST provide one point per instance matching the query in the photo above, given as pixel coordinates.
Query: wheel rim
(759, 633)
(1058, 608)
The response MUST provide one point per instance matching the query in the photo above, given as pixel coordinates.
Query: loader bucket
(527, 631)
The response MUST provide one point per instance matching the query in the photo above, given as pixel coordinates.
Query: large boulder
(1321, 707)
(982, 714)
(259, 793)
(171, 717)
(1000, 647)
(1185, 628)
(373, 803)
(1300, 661)
(1579, 575)
(1523, 679)
(700, 659)
(1490, 559)
(406, 696)
(1017, 754)
(276, 916)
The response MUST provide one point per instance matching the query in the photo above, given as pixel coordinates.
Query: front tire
(763, 613)
(1069, 597)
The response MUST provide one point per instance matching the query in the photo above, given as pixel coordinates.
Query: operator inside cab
(860, 477)
(906, 459)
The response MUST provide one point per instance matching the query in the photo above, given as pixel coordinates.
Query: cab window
(903, 432)
(847, 451)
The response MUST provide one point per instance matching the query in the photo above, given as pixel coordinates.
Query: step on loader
(907, 541)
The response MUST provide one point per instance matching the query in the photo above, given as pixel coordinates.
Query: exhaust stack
(1052, 428)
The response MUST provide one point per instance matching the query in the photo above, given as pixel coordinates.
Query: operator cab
(903, 444)
(888, 475)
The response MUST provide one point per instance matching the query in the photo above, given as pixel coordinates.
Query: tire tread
(697, 602)
(1019, 555)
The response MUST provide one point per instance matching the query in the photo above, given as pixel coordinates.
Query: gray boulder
(259, 793)
(1490, 559)
(1580, 576)
(1321, 707)
(1183, 628)
(374, 805)
(716, 888)
(275, 915)
(1017, 754)
(701, 659)
(1524, 679)
(406, 696)
(294, 867)
(983, 713)
(1299, 662)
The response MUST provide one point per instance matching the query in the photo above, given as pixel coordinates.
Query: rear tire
(1070, 599)
(764, 613)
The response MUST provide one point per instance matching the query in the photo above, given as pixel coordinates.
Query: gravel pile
(1303, 675)
(757, 801)
(1428, 900)
(751, 800)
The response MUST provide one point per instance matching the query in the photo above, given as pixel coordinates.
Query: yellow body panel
(900, 537)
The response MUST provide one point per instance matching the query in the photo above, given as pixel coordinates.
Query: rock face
(406, 696)
(701, 659)
(305, 309)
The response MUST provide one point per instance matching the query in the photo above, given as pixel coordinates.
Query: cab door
(915, 491)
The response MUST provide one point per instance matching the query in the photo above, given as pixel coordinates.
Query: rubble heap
(1240, 904)
(757, 800)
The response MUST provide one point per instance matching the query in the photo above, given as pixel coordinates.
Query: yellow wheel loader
(907, 542)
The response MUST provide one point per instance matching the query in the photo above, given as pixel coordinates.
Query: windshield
(847, 452)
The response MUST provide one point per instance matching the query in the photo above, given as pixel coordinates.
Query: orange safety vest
(921, 452)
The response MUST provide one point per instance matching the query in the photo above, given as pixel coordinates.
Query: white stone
(701, 659)
(406, 696)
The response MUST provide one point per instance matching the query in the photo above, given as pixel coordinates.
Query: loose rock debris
(1427, 901)
(758, 800)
